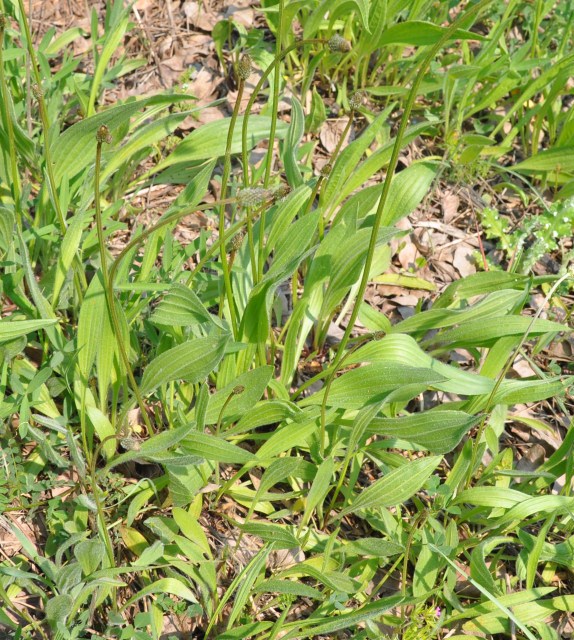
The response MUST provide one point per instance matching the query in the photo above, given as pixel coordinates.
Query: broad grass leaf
(348, 160)
(520, 391)
(6, 230)
(194, 191)
(75, 148)
(68, 250)
(12, 329)
(374, 547)
(103, 429)
(531, 614)
(181, 307)
(395, 487)
(420, 33)
(210, 140)
(557, 159)
(264, 413)
(537, 505)
(330, 625)
(561, 553)
(113, 39)
(493, 497)
(253, 382)
(288, 587)
(407, 191)
(479, 571)
(346, 264)
(481, 283)
(427, 566)
(436, 431)
(279, 537)
(288, 254)
(281, 216)
(335, 580)
(372, 383)
(145, 137)
(213, 448)
(96, 337)
(494, 304)
(291, 435)
(250, 630)
(362, 172)
(319, 489)
(91, 326)
(245, 581)
(163, 585)
(291, 144)
(191, 361)
(482, 332)
(155, 447)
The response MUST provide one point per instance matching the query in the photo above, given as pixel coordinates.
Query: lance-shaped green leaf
(10, 330)
(372, 383)
(191, 361)
(395, 487)
(436, 431)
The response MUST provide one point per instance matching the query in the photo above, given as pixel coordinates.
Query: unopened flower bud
(103, 135)
(326, 169)
(357, 99)
(337, 44)
(245, 67)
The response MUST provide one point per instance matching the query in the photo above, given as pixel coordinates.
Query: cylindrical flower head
(357, 99)
(338, 44)
(280, 191)
(235, 243)
(252, 196)
(245, 67)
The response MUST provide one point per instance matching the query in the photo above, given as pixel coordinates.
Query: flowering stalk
(243, 72)
(447, 35)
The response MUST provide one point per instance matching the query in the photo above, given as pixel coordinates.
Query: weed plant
(183, 445)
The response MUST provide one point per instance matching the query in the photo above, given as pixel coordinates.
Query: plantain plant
(208, 454)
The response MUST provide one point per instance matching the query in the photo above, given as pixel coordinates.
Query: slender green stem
(448, 33)
(272, 131)
(278, 58)
(16, 190)
(108, 286)
(135, 242)
(228, 289)
(43, 117)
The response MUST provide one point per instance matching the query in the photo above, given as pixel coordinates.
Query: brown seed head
(245, 67)
(280, 191)
(235, 243)
(3, 22)
(37, 91)
(103, 135)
